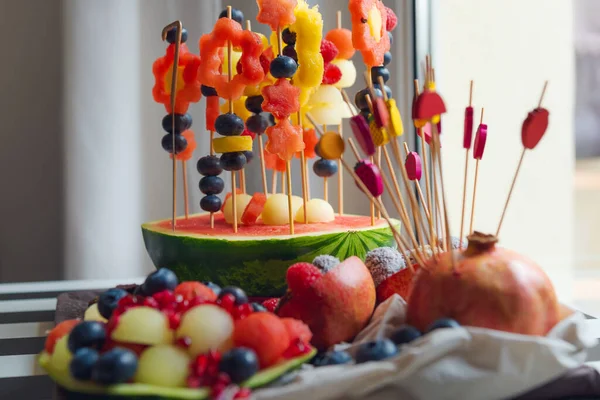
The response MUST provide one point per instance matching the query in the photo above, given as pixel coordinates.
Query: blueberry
(108, 301)
(391, 37)
(115, 366)
(387, 58)
(167, 143)
(290, 51)
(443, 323)
(249, 156)
(325, 168)
(209, 166)
(213, 286)
(257, 307)
(405, 334)
(239, 364)
(208, 91)
(211, 204)
(82, 363)
(211, 185)
(333, 358)
(229, 125)
(239, 294)
(233, 161)
(172, 38)
(257, 124)
(376, 351)
(283, 67)
(388, 90)
(288, 36)
(361, 98)
(87, 334)
(163, 279)
(377, 72)
(236, 15)
(182, 122)
(254, 104)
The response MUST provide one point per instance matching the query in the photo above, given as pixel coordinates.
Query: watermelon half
(257, 257)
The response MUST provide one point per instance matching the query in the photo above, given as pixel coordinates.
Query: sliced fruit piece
(229, 144)
(193, 289)
(241, 202)
(58, 332)
(163, 365)
(275, 211)
(264, 333)
(297, 330)
(61, 357)
(92, 314)
(318, 211)
(143, 325)
(209, 327)
(257, 257)
(254, 209)
(399, 283)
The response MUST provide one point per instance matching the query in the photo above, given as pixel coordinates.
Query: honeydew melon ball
(276, 209)
(331, 115)
(209, 327)
(143, 325)
(61, 357)
(326, 96)
(318, 210)
(92, 314)
(163, 365)
(348, 73)
(241, 201)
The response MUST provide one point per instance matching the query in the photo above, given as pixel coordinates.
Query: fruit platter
(272, 295)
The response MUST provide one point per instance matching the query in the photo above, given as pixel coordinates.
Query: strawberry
(301, 276)
(392, 20)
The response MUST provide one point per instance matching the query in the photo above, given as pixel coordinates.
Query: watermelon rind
(256, 264)
(135, 391)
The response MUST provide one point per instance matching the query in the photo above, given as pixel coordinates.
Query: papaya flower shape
(276, 13)
(188, 87)
(281, 99)
(285, 139)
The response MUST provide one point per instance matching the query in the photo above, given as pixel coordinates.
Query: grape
(143, 325)
(163, 365)
(61, 357)
(276, 209)
(318, 211)
(209, 327)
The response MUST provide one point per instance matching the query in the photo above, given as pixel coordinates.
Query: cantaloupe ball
(61, 357)
(209, 327)
(241, 201)
(92, 314)
(318, 210)
(163, 365)
(143, 325)
(348, 73)
(276, 209)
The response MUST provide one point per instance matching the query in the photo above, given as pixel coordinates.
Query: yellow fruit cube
(229, 144)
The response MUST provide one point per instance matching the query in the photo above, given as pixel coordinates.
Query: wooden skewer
(378, 163)
(464, 198)
(339, 19)
(243, 180)
(212, 153)
(325, 190)
(340, 169)
(282, 183)
(475, 187)
(186, 204)
(229, 77)
(432, 230)
(263, 170)
(274, 182)
(303, 174)
(438, 160)
(178, 29)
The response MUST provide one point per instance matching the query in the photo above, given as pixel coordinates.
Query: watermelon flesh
(257, 257)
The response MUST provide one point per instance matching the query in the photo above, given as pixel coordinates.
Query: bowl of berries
(166, 339)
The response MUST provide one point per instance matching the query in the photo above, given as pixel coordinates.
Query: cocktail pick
(178, 31)
(533, 129)
(467, 140)
(414, 169)
(478, 149)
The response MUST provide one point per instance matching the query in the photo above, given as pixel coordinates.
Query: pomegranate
(488, 287)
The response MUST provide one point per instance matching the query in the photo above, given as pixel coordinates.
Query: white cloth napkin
(463, 363)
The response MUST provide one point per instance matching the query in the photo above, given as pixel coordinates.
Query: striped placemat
(26, 315)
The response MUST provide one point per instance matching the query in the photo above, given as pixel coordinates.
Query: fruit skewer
(478, 149)
(467, 141)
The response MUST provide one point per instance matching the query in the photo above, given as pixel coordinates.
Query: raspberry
(331, 75)
(271, 304)
(301, 276)
(392, 20)
(328, 51)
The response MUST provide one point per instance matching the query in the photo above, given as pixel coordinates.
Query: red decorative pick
(413, 166)
(534, 127)
(428, 105)
(370, 175)
(381, 115)
(480, 139)
(468, 128)
(362, 133)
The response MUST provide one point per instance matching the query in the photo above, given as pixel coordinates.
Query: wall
(509, 47)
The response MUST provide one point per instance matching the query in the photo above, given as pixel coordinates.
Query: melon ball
(241, 201)
(318, 210)
(348, 73)
(325, 96)
(209, 327)
(163, 365)
(61, 357)
(92, 314)
(276, 209)
(330, 115)
(143, 325)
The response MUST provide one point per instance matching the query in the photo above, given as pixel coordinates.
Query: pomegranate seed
(244, 310)
(197, 301)
(184, 342)
(174, 321)
(243, 393)
(193, 382)
(182, 306)
(297, 348)
(201, 365)
(112, 323)
(227, 302)
(151, 302)
(165, 298)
